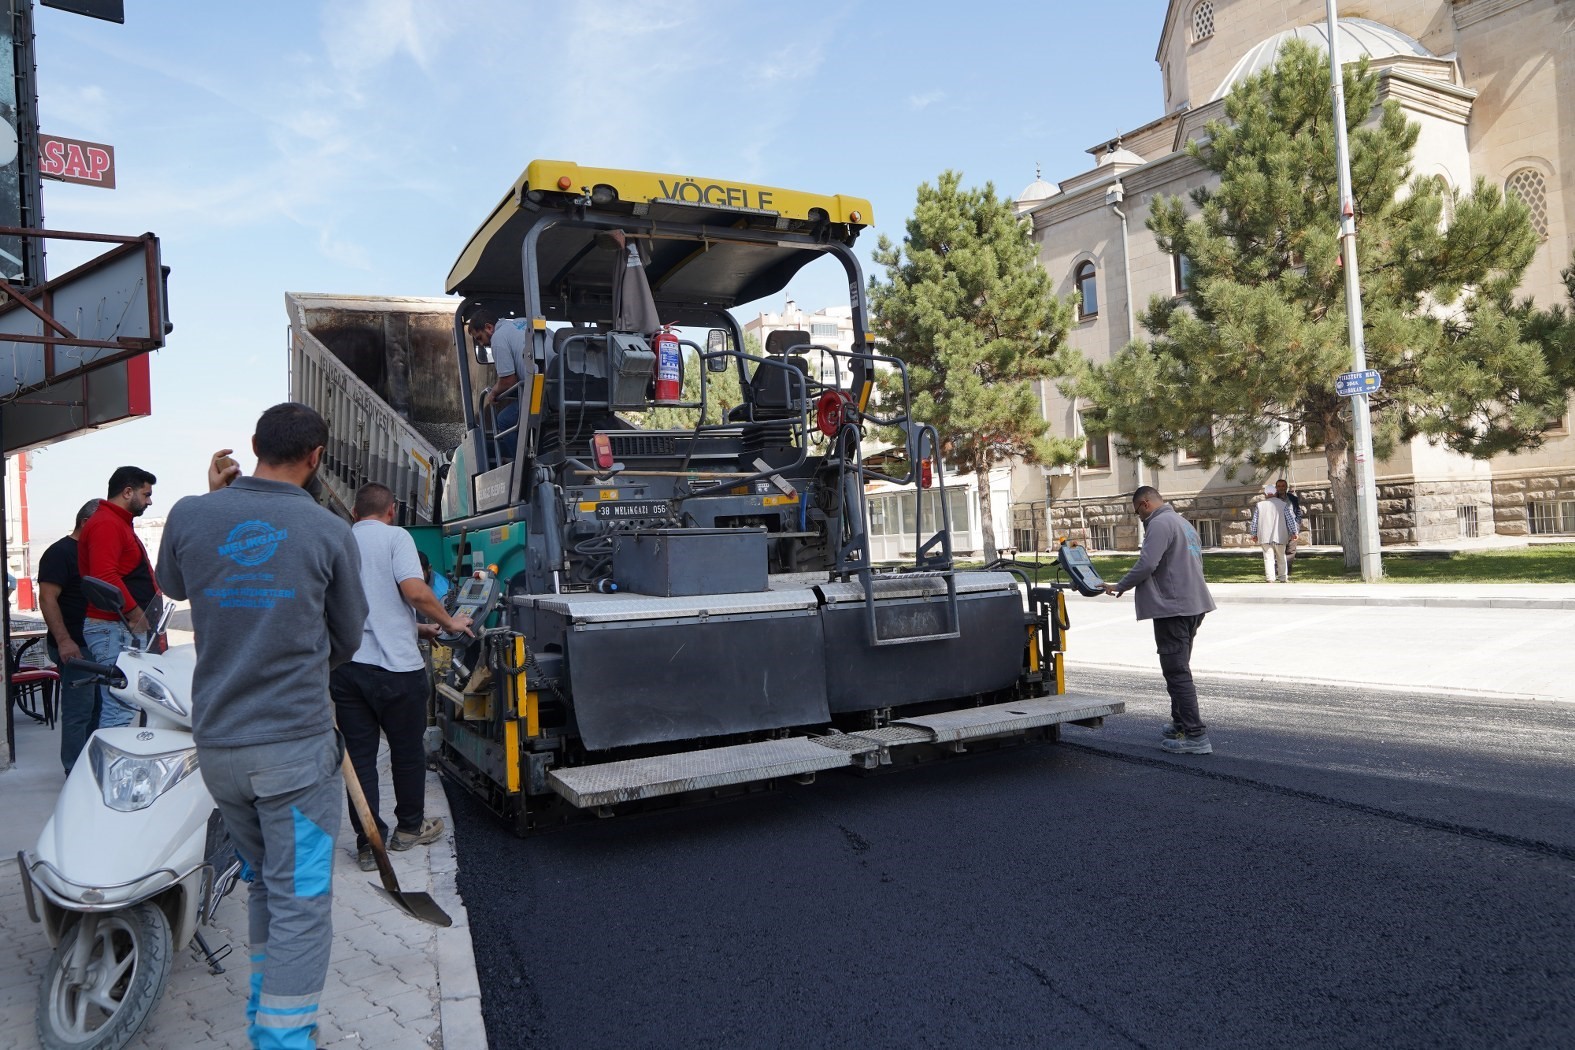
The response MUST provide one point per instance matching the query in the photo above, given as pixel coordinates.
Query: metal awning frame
(38, 301)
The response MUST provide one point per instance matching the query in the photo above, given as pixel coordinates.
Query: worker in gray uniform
(1171, 591)
(274, 582)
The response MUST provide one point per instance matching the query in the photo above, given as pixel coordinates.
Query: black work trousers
(1173, 637)
(370, 701)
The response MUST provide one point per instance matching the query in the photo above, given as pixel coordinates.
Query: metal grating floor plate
(589, 607)
(914, 585)
(974, 722)
(614, 782)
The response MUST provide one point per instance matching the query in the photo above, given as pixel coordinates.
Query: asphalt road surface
(1348, 869)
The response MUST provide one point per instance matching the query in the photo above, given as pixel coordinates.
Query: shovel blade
(415, 904)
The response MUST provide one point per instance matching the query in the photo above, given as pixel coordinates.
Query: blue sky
(354, 146)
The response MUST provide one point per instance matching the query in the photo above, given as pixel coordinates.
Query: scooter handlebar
(100, 670)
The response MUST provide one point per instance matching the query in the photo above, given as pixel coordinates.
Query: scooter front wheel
(125, 963)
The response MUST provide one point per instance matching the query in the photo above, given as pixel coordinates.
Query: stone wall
(1511, 494)
(1068, 518)
(1397, 516)
(1438, 506)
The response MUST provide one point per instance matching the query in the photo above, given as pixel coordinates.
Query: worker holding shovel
(276, 601)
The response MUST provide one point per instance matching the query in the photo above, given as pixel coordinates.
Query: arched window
(1087, 290)
(1203, 21)
(1528, 186)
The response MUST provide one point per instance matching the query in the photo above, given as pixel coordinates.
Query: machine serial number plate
(645, 508)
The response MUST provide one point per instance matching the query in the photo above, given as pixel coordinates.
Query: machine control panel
(476, 597)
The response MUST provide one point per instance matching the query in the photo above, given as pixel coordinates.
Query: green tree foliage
(1244, 362)
(722, 392)
(1554, 331)
(968, 308)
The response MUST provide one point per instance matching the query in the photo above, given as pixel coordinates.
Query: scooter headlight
(154, 690)
(131, 782)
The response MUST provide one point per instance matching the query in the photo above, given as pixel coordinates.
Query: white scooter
(134, 858)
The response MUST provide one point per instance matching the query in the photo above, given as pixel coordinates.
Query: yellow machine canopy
(704, 241)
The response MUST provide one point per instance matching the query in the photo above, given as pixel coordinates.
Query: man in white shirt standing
(1273, 526)
(382, 690)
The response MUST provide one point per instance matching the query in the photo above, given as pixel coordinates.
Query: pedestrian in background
(109, 549)
(1282, 490)
(1273, 526)
(276, 602)
(64, 608)
(382, 690)
(1172, 592)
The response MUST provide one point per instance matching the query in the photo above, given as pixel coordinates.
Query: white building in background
(831, 328)
(1489, 82)
(151, 532)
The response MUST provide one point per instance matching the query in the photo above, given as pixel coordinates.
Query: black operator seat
(774, 391)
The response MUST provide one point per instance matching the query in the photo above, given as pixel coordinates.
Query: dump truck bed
(381, 370)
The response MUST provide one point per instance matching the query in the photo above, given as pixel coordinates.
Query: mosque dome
(1036, 191)
(1358, 37)
(1120, 155)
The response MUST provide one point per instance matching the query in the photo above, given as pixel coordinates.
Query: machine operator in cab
(509, 340)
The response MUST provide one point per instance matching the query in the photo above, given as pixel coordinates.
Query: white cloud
(84, 109)
(360, 37)
(346, 253)
(925, 101)
(793, 62)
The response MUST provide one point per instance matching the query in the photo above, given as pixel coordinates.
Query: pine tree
(1243, 364)
(968, 308)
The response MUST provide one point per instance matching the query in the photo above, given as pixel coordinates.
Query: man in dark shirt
(1282, 489)
(60, 597)
(108, 548)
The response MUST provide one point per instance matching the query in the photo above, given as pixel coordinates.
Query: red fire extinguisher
(668, 387)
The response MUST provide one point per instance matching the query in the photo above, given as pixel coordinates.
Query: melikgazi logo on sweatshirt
(252, 542)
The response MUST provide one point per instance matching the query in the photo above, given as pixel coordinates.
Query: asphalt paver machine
(667, 613)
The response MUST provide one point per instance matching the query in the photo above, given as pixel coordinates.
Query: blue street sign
(1349, 384)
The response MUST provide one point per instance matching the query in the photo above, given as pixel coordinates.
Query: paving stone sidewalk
(393, 982)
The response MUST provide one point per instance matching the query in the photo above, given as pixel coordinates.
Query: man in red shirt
(110, 550)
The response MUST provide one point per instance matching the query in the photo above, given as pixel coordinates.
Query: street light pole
(1114, 196)
(1366, 484)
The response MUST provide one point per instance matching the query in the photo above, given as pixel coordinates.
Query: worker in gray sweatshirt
(1171, 591)
(274, 582)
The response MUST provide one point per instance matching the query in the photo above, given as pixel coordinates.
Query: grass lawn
(1544, 563)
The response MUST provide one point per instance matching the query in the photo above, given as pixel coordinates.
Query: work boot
(431, 828)
(1188, 745)
(1172, 731)
(364, 858)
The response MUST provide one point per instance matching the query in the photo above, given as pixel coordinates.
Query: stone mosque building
(1492, 85)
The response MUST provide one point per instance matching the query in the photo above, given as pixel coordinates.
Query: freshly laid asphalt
(1379, 852)
(1352, 867)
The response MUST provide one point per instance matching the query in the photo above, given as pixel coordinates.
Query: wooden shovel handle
(369, 826)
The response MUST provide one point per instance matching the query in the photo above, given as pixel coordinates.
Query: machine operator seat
(774, 392)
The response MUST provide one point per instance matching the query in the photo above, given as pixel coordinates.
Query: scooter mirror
(102, 594)
(160, 612)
